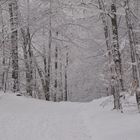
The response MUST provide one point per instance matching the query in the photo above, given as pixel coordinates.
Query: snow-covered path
(30, 119)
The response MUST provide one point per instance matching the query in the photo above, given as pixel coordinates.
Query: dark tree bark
(13, 10)
(56, 72)
(118, 80)
(66, 75)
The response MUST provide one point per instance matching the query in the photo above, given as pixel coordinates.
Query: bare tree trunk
(66, 75)
(28, 53)
(104, 17)
(118, 80)
(6, 74)
(49, 67)
(47, 96)
(134, 56)
(56, 71)
(3, 52)
(13, 10)
(61, 76)
(29, 72)
(138, 43)
(45, 87)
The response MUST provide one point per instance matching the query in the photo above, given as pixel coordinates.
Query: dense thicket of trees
(40, 41)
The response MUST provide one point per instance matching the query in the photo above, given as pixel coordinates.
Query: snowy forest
(70, 52)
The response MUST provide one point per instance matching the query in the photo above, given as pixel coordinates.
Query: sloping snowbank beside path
(23, 118)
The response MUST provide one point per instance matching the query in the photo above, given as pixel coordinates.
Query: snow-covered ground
(23, 118)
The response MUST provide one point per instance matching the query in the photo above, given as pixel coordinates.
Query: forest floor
(24, 118)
